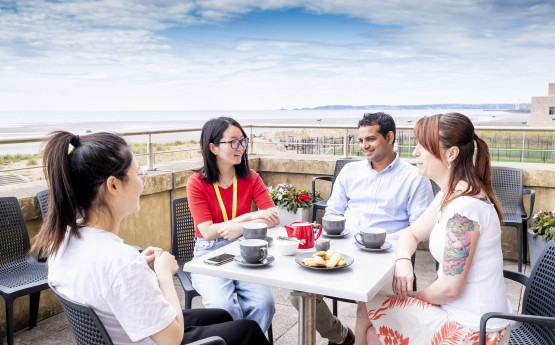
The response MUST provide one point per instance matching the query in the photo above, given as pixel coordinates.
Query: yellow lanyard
(222, 206)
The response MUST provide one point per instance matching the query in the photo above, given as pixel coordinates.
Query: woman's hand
(165, 263)
(231, 231)
(150, 253)
(403, 278)
(270, 215)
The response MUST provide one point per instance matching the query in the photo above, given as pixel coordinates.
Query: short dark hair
(212, 132)
(385, 121)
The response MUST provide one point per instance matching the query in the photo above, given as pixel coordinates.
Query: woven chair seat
(23, 273)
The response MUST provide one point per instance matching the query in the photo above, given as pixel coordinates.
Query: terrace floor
(56, 330)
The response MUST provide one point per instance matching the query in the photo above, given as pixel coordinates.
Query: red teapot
(304, 231)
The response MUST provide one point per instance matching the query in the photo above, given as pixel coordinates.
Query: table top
(359, 281)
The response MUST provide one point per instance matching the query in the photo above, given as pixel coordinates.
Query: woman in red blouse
(220, 197)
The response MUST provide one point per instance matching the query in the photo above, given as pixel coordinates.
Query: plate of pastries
(324, 260)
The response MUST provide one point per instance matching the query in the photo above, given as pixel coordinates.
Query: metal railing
(348, 144)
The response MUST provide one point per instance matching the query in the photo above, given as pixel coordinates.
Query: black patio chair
(536, 323)
(20, 273)
(43, 199)
(183, 245)
(88, 328)
(507, 187)
(322, 204)
(435, 187)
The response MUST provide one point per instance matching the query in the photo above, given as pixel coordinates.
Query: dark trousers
(203, 323)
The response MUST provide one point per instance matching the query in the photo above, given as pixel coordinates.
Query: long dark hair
(75, 168)
(212, 132)
(442, 131)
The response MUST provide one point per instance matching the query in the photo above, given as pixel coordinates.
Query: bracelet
(403, 259)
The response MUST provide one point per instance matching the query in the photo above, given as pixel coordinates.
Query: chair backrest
(435, 187)
(183, 231)
(540, 291)
(42, 197)
(339, 165)
(507, 187)
(14, 239)
(85, 324)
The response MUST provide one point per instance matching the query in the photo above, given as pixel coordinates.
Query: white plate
(385, 246)
(342, 234)
(239, 259)
(299, 259)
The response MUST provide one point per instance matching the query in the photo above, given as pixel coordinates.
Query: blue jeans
(254, 301)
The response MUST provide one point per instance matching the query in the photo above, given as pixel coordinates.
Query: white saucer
(239, 259)
(342, 234)
(384, 246)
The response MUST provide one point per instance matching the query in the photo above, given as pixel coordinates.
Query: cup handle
(359, 241)
(265, 253)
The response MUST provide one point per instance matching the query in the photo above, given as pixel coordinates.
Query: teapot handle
(319, 231)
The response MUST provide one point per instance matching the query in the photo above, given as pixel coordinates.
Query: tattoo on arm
(457, 244)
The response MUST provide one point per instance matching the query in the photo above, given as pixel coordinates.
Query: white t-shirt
(101, 271)
(484, 289)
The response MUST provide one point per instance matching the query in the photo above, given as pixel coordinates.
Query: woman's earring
(448, 165)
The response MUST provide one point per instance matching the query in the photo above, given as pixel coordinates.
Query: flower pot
(535, 247)
(288, 217)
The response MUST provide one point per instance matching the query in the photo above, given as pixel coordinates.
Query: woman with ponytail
(95, 182)
(463, 226)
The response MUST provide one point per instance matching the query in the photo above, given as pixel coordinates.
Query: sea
(38, 124)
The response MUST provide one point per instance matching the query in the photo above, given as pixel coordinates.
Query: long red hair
(442, 131)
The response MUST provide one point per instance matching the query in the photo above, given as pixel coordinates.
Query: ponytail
(482, 166)
(75, 168)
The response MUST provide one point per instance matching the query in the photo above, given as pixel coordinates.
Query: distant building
(543, 109)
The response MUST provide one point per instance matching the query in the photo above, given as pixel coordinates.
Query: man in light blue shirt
(381, 191)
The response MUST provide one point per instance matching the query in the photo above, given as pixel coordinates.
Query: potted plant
(289, 200)
(538, 235)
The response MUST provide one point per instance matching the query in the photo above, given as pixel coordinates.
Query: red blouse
(204, 204)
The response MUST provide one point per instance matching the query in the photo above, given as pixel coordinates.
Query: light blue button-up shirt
(391, 199)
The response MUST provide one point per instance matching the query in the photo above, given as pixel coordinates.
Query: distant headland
(521, 107)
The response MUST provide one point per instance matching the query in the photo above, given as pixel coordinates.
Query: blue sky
(271, 54)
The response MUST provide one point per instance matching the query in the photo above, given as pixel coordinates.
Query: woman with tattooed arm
(463, 225)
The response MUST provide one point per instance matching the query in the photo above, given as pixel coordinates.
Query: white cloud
(118, 54)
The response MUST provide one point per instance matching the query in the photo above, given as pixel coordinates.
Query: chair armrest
(325, 178)
(532, 199)
(517, 277)
(546, 321)
(209, 341)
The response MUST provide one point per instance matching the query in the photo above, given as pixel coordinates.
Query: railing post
(523, 140)
(346, 146)
(251, 141)
(150, 154)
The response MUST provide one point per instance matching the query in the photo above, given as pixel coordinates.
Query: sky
(271, 54)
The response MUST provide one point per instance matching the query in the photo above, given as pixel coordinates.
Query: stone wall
(152, 224)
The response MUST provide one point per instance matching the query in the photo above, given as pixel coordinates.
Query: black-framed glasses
(236, 142)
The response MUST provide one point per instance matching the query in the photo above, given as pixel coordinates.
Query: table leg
(307, 318)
